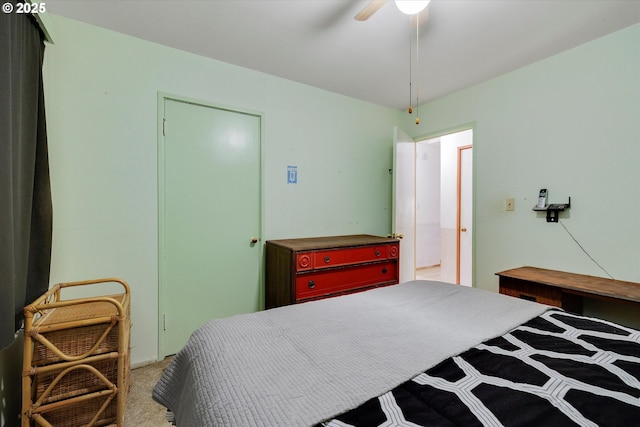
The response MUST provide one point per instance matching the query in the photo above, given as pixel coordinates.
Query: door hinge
(164, 321)
(164, 127)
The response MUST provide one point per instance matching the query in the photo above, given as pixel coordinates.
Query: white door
(404, 201)
(466, 224)
(210, 211)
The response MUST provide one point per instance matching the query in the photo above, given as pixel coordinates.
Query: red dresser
(299, 270)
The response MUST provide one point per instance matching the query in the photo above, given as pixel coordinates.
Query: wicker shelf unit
(76, 358)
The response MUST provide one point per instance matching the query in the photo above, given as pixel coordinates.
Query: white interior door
(210, 171)
(404, 201)
(466, 223)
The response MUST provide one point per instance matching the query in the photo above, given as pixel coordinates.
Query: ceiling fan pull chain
(410, 67)
(417, 71)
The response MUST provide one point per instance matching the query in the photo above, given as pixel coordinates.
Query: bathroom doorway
(444, 203)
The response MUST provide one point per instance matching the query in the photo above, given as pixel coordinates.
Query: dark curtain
(25, 196)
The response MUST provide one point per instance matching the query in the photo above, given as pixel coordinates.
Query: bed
(417, 353)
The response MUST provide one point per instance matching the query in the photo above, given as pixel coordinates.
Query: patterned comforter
(557, 369)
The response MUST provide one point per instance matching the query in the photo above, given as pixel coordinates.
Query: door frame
(161, 98)
(456, 129)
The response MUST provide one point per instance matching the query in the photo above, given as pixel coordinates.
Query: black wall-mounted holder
(553, 210)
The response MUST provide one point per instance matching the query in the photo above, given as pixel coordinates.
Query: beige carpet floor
(142, 410)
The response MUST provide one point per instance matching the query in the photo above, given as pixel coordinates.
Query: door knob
(395, 236)
(254, 240)
(463, 229)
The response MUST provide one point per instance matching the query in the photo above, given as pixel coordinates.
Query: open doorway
(443, 206)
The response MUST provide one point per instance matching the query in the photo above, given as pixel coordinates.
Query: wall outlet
(510, 204)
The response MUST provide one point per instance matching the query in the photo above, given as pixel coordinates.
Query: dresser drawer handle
(327, 259)
(384, 271)
(311, 284)
(377, 253)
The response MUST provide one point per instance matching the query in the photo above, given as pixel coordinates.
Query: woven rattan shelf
(76, 358)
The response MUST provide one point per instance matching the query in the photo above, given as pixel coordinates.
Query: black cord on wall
(585, 251)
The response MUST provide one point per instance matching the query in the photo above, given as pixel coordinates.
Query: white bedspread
(301, 364)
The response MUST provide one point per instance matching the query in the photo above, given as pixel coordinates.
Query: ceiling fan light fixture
(411, 7)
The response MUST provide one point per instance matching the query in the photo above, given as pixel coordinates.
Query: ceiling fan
(410, 7)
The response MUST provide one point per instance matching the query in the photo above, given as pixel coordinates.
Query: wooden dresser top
(577, 283)
(309, 243)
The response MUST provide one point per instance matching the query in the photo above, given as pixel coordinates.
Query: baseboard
(143, 364)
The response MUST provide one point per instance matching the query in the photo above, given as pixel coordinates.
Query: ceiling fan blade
(369, 10)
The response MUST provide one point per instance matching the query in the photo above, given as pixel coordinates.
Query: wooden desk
(565, 290)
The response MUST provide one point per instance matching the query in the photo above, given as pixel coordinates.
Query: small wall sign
(292, 174)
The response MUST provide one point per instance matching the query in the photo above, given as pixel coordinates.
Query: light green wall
(101, 99)
(571, 124)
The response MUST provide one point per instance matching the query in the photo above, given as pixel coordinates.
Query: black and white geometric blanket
(558, 369)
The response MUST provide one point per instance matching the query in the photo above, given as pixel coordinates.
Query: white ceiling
(317, 42)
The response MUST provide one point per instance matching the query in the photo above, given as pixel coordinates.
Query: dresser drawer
(319, 283)
(345, 256)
